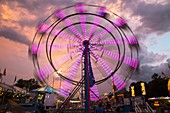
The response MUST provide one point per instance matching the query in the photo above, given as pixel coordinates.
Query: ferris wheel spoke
(127, 40)
(96, 21)
(102, 33)
(35, 48)
(75, 67)
(118, 82)
(133, 62)
(44, 72)
(65, 88)
(101, 12)
(60, 14)
(94, 93)
(47, 29)
(66, 57)
(82, 18)
(47, 70)
(71, 74)
(103, 64)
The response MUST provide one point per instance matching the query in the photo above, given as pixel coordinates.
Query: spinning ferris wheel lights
(85, 41)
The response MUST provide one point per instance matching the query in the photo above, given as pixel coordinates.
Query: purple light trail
(42, 47)
(65, 88)
(46, 28)
(75, 67)
(128, 40)
(107, 69)
(47, 70)
(60, 14)
(81, 9)
(118, 82)
(71, 75)
(127, 60)
(102, 33)
(96, 21)
(120, 22)
(95, 90)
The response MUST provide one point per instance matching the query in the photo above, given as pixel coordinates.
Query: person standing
(99, 108)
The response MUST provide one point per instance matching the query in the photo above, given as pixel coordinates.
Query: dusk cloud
(154, 17)
(146, 71)
(13, 35)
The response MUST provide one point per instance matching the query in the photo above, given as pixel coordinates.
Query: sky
(149, 20)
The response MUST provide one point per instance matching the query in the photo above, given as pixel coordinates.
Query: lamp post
(167, 77)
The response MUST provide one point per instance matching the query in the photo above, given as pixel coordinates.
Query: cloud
(154, 17)
(147, 57)
(13, 35)
(146, 72)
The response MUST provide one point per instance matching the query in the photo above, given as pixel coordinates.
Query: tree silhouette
(157, 87)
(28, 84)
(155, 76)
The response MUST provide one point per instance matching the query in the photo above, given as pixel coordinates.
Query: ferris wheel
(85, 39)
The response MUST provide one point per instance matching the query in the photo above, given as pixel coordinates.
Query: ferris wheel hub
(86, 42)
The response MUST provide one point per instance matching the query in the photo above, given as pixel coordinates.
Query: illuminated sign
(156, 103)
(169, 86)
(143, 88)
(1, 88)
(132, 91)
(40, 96)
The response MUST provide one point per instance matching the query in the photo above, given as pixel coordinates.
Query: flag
(4, 72)
(92, 79)
(15, 79)
(90, 71)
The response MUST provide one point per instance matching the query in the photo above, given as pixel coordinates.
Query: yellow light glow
(143, 89)
(60, 71)
(156, 103)
(0, 88)
(132, 91)
(113, 89)
(169, 86)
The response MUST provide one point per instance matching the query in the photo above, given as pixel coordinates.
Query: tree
(155, 76)
(28, 84)
(158, 87)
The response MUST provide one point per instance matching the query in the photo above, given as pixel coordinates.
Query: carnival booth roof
(11, 87)
(7, 87)
(47, 89)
